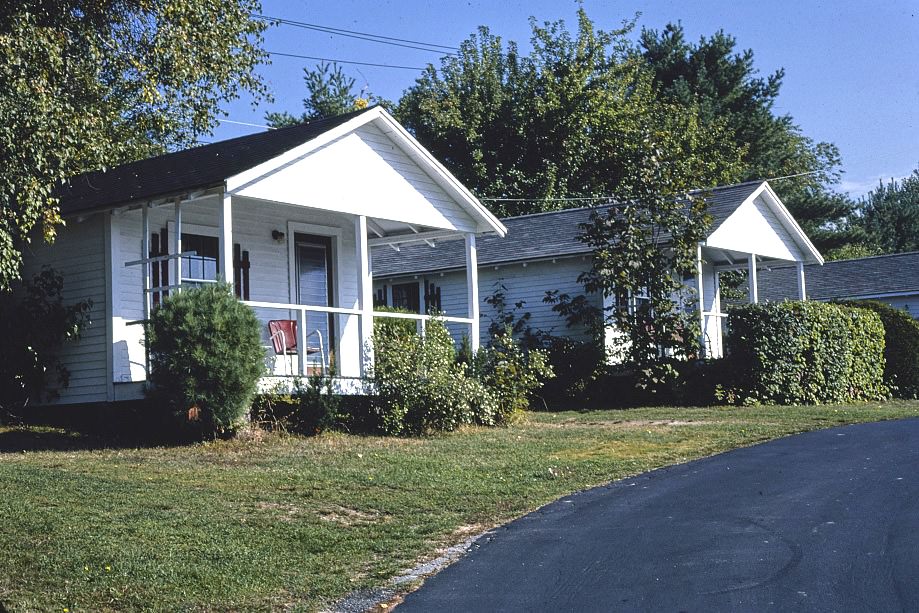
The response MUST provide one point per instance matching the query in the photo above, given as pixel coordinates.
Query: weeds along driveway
(823, 521)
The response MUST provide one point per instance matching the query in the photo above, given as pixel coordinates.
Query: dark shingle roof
(858, 278)
(530, 237)
(195, 168)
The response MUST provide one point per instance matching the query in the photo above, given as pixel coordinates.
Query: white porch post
(701, 300)
(177, 244)
(364, 294)
(718, 341)
(802, 289)
(301, 342)
(145, 249)
(472, 288)
(225, 223)
(751, 271)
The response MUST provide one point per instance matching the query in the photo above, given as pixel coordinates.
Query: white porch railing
(359, 357)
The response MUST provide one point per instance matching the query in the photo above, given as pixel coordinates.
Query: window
(204, 266)
(632, 303)
(406, 296)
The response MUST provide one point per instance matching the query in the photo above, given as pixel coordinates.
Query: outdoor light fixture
(277, 235)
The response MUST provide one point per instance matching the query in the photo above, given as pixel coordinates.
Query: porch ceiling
(730, 258)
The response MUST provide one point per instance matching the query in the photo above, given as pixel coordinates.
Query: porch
(306, 272)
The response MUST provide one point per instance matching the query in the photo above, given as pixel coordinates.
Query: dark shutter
(240, 272)
(432, 297)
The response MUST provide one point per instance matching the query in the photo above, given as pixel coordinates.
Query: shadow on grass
(31, 438)
(127, 425)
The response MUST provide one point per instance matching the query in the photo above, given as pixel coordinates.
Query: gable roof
(241, 161)
(535, 236)
(190, 169)
(875, 276)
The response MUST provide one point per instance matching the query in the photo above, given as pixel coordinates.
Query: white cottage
(287, 216)
(751, 230)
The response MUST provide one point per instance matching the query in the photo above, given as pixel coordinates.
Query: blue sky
(851, 68)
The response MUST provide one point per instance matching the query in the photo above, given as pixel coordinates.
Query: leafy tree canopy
(330, 92)
(87, 84)
(527, 132)
(727, 87)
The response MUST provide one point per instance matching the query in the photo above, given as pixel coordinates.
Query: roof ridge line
(598, 206)
(874, 257)
(311, 123)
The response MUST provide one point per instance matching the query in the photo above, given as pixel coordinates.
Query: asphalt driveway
(826, 521)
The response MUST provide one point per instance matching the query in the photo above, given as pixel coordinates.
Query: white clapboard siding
(754, 228)
(524, 283)
(269, 273)
(78, 254)
(363, 173)
(910, 304)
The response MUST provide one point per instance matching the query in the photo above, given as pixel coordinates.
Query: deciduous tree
(86, 84)
(646, 244)
(728, 88)
(536, 132)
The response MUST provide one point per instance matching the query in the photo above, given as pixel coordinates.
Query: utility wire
(376, 38)
(325, 59)
(246, 123)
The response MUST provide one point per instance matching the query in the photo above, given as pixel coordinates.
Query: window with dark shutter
(406, 296)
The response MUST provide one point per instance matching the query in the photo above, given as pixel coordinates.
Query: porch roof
(188, 170)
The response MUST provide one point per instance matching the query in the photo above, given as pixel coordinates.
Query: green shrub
(510, 373)
(34, 325)
(804, 353)
(394, 325)
(206, 357)
(420, 387)
(901, 347)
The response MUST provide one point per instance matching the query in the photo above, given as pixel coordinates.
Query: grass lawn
(300, 522)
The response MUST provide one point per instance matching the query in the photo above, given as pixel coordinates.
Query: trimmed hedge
(901, 352)
(805, 353)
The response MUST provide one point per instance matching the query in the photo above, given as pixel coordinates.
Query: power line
(325, 59)
(376, 38)
(245, 123)
(800, 174)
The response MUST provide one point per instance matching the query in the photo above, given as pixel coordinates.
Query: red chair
(283, 334)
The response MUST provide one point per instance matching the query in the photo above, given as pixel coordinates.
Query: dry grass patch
(348, 517)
